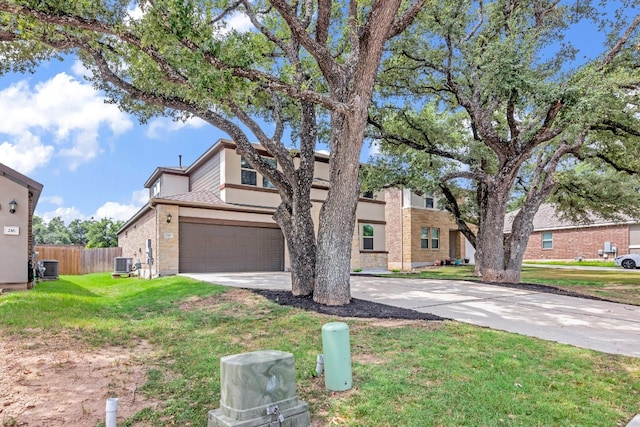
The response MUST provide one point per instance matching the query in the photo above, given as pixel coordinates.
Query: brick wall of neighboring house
(168, 240)
(413, 220)
(572, 243)
(133, 241)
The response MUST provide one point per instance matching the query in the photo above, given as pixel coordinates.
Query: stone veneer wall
(167, 252)
(373, 260)
(394, 228)
(133, 241)
(413, 220)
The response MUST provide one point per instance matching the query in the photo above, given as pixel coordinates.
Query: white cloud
(67, 113)
(114, 210)
(140, 197)
(240, 22)
(79, 70)
(25, 153)
(135, 12)
(122, 212)
(374, 148)
(159, 127)
(66, 214)
(54, 200)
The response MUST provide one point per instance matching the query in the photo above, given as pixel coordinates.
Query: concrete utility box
(337, 356)
(259, 389)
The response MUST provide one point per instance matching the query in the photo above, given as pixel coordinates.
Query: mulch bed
(372, 310)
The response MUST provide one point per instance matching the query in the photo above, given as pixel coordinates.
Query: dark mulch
(367, 309)
(357, 307)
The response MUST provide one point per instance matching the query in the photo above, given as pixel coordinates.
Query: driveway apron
(597, 325)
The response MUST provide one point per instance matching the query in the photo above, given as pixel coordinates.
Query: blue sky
(92, 158)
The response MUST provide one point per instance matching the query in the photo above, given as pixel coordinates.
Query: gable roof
(33, 186)
(547, 218)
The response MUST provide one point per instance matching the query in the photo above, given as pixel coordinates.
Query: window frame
(246, 170)
(368, 195)
(156, 187)
(273, 162)
(429, 201)
(435, 238)
(424, 238)
(548, 240)
(368, 239)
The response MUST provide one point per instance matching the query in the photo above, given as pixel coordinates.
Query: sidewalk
(602, 326)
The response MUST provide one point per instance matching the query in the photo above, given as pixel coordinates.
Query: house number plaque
(11, 230)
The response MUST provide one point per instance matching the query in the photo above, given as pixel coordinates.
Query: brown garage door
(212, 248)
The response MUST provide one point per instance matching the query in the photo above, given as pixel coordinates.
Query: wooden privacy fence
(74, 259)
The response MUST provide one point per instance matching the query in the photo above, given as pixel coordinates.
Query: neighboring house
(419, 234)
(216, 215)
(18, 199)
(558, 239)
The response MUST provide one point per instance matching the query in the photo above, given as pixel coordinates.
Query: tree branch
(406, 19)
(615, 50)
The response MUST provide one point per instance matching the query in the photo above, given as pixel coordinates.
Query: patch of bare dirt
(57, 381)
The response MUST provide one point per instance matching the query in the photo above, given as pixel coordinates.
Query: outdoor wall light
(12, 206)
(169, 217)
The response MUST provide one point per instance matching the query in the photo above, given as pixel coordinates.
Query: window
(428, 201)
(367, 237)
(248, 174)
(424, 238)
(265, 182)
(155, 190)
(435, 238)
(547, 240)
(367, 195)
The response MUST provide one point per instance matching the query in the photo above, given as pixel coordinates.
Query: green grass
(616, 285)
(404, 374)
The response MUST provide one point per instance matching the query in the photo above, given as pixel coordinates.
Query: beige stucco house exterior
(19, 196)
(216, 215)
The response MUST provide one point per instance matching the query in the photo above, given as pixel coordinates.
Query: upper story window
(248, 174)
(428, 201)
(367, 194)
(155, 190)
(265, 182)
(367, 237)
(547, 240)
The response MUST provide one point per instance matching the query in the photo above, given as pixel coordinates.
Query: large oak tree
(491, 103)
(301, 57)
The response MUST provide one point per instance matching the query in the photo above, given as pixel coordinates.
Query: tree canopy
(490, 102)
(89, 233)
(300, 60)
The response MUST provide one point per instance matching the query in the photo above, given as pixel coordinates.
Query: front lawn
(405, 373)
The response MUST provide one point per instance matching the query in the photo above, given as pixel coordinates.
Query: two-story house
(216, 215)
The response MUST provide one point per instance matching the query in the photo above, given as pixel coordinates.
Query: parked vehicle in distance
(629, 261)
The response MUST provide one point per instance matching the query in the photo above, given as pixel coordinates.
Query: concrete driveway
(607, 327)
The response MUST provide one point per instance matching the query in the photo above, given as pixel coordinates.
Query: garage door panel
(225, 248)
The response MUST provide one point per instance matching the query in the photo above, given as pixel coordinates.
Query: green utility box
(337, 356)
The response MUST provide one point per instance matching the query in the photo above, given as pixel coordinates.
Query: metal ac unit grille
(122, 264)
(51, 269)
